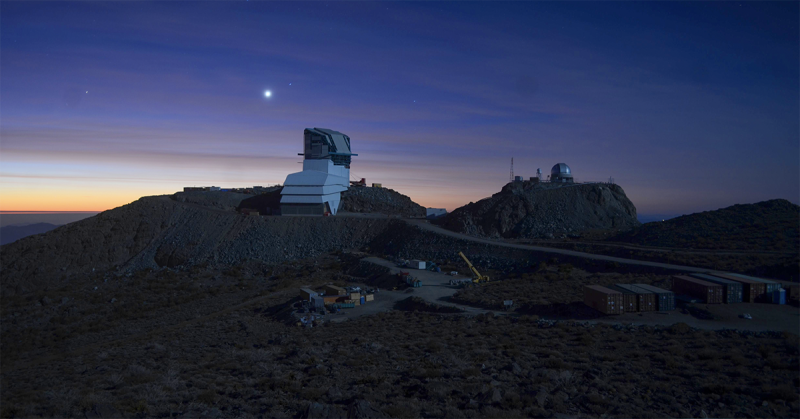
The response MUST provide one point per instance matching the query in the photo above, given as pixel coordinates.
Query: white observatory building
(326, 173)
(561, 173)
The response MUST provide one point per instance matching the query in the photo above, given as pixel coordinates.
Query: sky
(689, 106)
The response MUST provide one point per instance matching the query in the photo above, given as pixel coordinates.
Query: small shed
(307, 293)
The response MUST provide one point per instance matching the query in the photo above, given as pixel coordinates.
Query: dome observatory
(560, 173)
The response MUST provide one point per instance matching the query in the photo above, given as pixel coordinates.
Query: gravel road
(438, 230)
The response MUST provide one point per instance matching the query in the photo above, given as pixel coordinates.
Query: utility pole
(511, 176)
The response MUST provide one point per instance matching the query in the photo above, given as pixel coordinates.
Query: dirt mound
(528, 210)
(380, 200)
(769, 225)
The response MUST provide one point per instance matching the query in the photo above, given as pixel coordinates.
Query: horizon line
(43, 212)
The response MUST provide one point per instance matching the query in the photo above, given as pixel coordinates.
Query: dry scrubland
(178, 343)
(177, 307)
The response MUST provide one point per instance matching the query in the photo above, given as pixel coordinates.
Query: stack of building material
(646, 300)
(369, 297)
(733, 290)
(603, 299)
(710, 292)
(752, 290)
(630, 300)
(665, 300)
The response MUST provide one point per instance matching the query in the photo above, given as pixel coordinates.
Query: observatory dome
(561, 173)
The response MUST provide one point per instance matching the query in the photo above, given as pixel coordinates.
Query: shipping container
(334, 290)
(630, 300)
(603, 299)
(770, 285)
(733, 290)
(709, 292)
(665, 300)
(306, 294)
(646, 299)
(779, 296)
(318, 301)
(330, 299)
(752, 291)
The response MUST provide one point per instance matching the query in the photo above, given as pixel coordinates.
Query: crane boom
(478, 276)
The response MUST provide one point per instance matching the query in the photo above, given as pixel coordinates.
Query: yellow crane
(477, 277)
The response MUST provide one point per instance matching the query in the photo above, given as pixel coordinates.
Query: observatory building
(560, 173)
(326, 173)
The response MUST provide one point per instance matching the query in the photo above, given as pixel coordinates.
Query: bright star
(267, 93)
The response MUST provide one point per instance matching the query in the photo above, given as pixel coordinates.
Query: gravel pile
(528, 210)
(380, 200)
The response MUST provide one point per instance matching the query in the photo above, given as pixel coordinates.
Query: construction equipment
(362, 182)
(477, 277)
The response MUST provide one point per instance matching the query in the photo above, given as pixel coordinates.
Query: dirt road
(430, 227)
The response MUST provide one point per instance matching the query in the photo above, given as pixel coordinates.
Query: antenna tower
(511, 175)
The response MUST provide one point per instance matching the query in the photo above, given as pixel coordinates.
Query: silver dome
(560, 170)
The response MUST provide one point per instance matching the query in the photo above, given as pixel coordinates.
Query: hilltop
(769, 225)
(531, 210)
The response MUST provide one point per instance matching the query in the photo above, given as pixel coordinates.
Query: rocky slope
(162, 231)
(380, 200)
(770, 225)
(527, 210)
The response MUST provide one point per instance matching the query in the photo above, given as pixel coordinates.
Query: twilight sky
(689, 106)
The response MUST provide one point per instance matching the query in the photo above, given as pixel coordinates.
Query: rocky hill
(380, 200)
(770, 225)
(529, 210)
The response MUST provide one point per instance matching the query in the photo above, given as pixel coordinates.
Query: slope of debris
(530, 210)
(380, 200)
(160, 231)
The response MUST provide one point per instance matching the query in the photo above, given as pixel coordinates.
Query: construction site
(327, 298)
